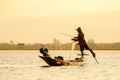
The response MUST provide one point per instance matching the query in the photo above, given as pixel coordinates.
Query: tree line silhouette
(56, 45)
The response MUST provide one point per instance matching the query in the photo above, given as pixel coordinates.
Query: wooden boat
(58, 61)
(55, 62)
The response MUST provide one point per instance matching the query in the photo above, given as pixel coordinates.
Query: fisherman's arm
(75, 39)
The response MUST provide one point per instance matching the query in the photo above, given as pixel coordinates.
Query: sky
(39, 21)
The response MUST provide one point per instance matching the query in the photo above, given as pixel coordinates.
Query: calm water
(26, 65)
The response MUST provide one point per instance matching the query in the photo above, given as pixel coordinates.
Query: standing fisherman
(83, 45)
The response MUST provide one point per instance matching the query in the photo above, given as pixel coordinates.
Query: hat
(78, 28)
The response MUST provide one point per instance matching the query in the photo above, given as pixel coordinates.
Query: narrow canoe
(53, 62)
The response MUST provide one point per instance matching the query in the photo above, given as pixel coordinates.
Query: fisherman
(81, 41)
(44, 51)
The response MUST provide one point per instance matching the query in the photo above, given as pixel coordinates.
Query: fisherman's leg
(82, 56)
(81, 49)
(90, 51)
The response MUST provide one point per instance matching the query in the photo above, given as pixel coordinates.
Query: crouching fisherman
(44, 52)
(58, 61)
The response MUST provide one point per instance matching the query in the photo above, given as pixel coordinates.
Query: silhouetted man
(83, 45)
(44, 51)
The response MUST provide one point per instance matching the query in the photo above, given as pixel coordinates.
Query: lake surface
(26, 65)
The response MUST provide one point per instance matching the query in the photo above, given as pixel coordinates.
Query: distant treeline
(56, 45)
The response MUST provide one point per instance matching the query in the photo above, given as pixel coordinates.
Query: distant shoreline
(58, 46)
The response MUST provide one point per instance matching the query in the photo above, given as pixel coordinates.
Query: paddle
(96, 60)
(94, 57)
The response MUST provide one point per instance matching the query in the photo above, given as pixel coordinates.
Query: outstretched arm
(75, 39)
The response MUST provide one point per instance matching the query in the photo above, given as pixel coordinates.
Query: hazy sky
(39, 21)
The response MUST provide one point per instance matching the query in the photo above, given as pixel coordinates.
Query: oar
(94, 57)
(96, 60)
